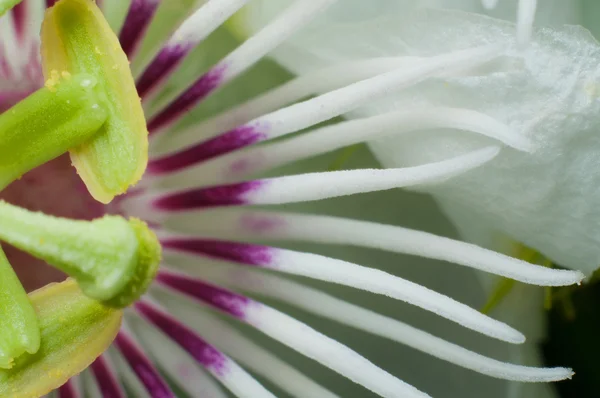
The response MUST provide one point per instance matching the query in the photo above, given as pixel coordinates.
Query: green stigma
(112, 259)
(65, 113)
(19, 330)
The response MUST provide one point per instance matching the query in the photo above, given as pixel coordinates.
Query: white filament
(289, 21)
(403, 240)
(76, 385)
(142, 59)
(319, 81)
(380, 282)
(315, 82)
(199, 25)
(489, 4)
(351, 132)
(323, 185)
(237, 224)
(204, 21)
(235, 379)
(316, 186)
(334, 103)
(346, 99)
(322, 304)
(95, 389)
(327, 351)
(525, 17)
(147, 5)
(244, 350)
(34, 10)
(90, 385)
(173, 360)
(129, 377)
(329, 138)
(12, 54)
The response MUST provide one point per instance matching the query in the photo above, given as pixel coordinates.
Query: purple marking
(204, 353)
(205, 85)
(137, 21)
(6, 71)
(166, 60)
(143, 367)
(221, 195)
(262, 224)
(244, 166)
(222, 299)
(67, 390)
(107, 382)
(227, 142)
(19, 15)
(244, 253)
(33, 70)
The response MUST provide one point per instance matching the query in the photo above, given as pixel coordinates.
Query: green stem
(500, 292)
(60, 116)
(343, 157)
(113, 260)
(19, 330)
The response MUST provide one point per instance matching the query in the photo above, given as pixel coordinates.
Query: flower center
(53, 188)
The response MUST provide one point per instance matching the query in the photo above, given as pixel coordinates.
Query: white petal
(548, 94)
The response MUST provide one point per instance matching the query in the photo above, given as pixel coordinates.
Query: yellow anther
(75, 330)
(77, 38)
(53, 80)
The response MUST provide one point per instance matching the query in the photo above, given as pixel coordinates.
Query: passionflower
(208, 180)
